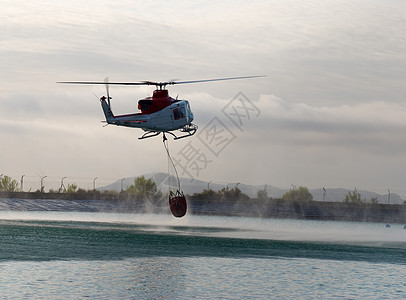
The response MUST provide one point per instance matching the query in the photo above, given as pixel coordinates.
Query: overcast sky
(331, 112)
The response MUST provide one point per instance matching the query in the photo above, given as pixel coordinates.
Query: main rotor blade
(109, 83)
(160, 84)
(216, 79)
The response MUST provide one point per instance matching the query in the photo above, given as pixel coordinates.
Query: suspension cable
(165, 141)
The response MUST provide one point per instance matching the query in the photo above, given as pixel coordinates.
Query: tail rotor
(106, 83)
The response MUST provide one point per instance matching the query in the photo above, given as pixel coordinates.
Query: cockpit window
(182, 112)
(179, 113)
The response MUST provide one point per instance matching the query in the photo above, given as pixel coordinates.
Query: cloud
(374, 127)
(328, 50)
(336, 69)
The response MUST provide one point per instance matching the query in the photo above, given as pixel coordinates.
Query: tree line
(148, 188)
(8, 184)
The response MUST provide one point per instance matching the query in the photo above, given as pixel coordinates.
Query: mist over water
(231, 227)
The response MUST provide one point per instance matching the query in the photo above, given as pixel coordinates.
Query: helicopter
(159, 113)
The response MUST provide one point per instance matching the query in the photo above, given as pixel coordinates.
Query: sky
(330, 113)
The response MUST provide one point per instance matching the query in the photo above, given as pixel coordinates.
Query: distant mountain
(191, 186)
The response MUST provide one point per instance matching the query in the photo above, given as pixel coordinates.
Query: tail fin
(107, 110)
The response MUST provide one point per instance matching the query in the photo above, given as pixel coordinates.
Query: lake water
(79, 255)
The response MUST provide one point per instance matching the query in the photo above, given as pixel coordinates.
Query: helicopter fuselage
(159, 113)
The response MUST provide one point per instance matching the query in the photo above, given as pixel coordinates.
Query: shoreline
(197, 205)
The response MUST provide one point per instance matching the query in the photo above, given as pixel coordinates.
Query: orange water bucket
(177, 204)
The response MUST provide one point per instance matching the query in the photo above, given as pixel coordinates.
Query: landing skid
(189, 130)
(149, 134)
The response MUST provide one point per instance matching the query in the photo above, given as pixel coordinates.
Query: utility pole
(94, 184)
(122, 180)
(22, 183)
(388, 196)
(42, 183)
(62, 185)
(208, 185)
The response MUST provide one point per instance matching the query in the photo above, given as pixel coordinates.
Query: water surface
(73, 255)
